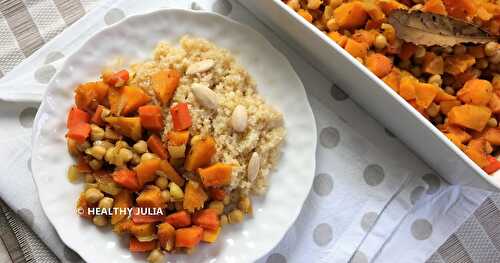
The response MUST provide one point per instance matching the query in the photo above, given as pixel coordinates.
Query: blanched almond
(253, 167)
(205, 96)
(200, 66)
(239, 118)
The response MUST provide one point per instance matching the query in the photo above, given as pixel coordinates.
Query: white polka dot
(113, 15)
(322, 234)
(337, 93)
(416, 194)
(276, 258)
(195, 6)
(45, 73)
(359, 257)
(222, 7)
(53, 56)
(329, 137)
(433, 181)
(373, 174)
(27, 116)
(421, 229)
(368, 220)
(323, 184)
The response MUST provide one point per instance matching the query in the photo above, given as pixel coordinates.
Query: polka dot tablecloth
(372, 199)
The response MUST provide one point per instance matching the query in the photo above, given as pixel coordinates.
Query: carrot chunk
(171, 174)
(137, 246)
(216, 175)
(76, 116)
(207, 219)
(188, 237)
(116, 79)
(126, 178)
(139, 218)
(217, 194)
(181, 118)
(493, 165)
(79, 132)
(179, 219)
(97, 116)
(151, 117)
(155, 145)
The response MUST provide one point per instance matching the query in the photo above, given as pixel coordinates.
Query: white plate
(135, 37)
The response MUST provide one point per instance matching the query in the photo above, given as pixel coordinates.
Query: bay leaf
(429, 29)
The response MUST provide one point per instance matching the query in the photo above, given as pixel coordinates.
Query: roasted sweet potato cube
(150, 197)
(476, 91)
(194, 196)
(494, 103)
(200, 154)
(141, 230)
(122, 200)
(407, 87)
(393, 79)
(356, 49)
(166, 236)
(446, 106)
(126, 126)
(435, 6)
(492, 135)
(146, 171)
(89, 95)
(478, 151)
(433, 64)
(425, 94)
(462, 9)
(469, 116)
(458, 64)
(216, 175)
(350, 15)
(165, 84)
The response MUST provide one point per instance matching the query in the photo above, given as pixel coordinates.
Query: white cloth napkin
(372, 199)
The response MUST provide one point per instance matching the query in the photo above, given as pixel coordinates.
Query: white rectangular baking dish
(373, 95)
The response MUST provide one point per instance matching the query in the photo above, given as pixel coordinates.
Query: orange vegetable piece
(492, 135)
(210, 236)
(476, 51)
(435, 6)
(456, 134)
(138, 217)
(216, 175)
(122, 200)
(446, 106)
(217, 194)
(494, 103)
(146, 171)
(462, 9)
(457, 64)
(392, 79)
(171, 174)
(150, 197)
(188, 237)
(127, 126)
(469, 116)
(476, 91)
(89, 95)
(151, 117)
(483, 14)
(374, 11)
(79, 132)
(477, 150)
(83, 207)
(116, 79)
(388, 6)
(177, 138)
(407, 87)
(207, 219)
(407, 50)
(443, 96)
(340, 39)
(165, 83)
(200, 154)
(194, 196)
(306, 15)
(83, 166)
(433, 64)
(134, 97)
(356, 49)
(379, 64)
(97, 116)
(137, 246)
(179, 219)
(493, 165)
(166, 236)
(365, 36)
(155, 145)
(425, 94)
(76, 116)
(350, 15)
(181, 119)
(126, 178)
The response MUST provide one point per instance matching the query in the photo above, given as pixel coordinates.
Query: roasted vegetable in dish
(441, 56)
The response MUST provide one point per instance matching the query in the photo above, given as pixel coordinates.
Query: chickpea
(436, 80)
(89, 178)
(104, 144)
(93, 195)
(161, 182)
(235, 216)
(136, 159)
(155, 256)
(490, 49)
(420, 52)
(380, 41)
(106, 203)
(495, 59)
(110, 155)
(96, 132)
(224, 220)
(226, 200)
(314, 4)
(96, 152)
(294, 4)
(449, 90)
(95, 164)
(175, 191)
(492, 122)
(73, 147)
(83, 146)
(165, 195)
(218, 206)
(332, 25)
(140, 147)
(433, 109)
(482, 63)
(100, 220)
(125, 155)
(148, 156)
(105, 113)
(73, 174)
(110, 134)
(245, 204)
